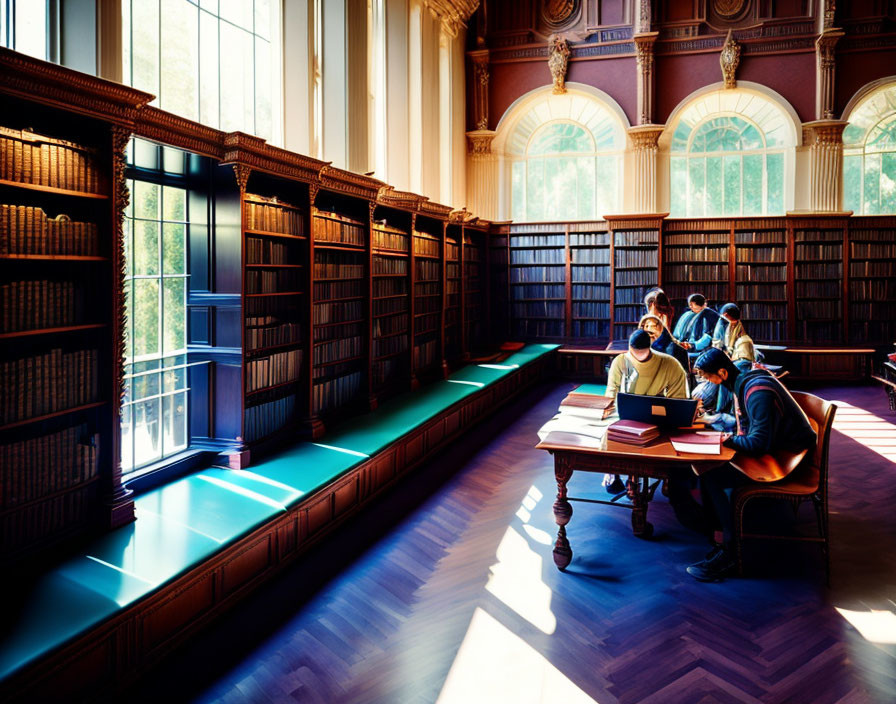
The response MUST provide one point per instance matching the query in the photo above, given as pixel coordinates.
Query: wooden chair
(808, 482)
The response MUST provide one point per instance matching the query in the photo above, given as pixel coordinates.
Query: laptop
(658, 410)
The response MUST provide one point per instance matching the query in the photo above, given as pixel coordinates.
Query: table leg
(638, 490)
(562, 513)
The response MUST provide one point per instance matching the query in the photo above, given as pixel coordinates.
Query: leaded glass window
(869, 155)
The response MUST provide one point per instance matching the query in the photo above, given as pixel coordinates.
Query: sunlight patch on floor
(496, 666)
(876, 626)
(867, 429)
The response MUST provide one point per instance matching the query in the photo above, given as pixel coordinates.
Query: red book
(634, 428)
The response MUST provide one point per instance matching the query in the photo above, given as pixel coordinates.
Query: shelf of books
(696, 260)
(339, 308)
(60, 368)
(589, 252)
(760, 276)
(499, 284)
(872, 279)
(428, 236)
(390, 286)
(635, 270)
(538, 276)
(818, 282)
(275, 280)
(474, 289)
(453, 341)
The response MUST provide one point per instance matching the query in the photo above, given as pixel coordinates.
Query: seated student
(769, 420)
(661, 339)
(657, 303)
(696, 335)
(735, 342)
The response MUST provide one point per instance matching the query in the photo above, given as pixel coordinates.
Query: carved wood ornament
(729, 60)
(558, 62)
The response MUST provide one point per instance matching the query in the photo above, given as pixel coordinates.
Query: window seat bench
(203, 541)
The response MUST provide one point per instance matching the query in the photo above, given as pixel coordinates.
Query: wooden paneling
(169, 615)
(247, 565)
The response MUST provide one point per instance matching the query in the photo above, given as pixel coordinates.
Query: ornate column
(482, 174)
(479, 61)
(824, 80)
(644, 142)
(825, 138)
(644, 47)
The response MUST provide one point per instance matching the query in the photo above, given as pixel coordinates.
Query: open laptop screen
(658, 410)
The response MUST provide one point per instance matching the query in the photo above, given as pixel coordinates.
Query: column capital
(645, 136)
(479, 143)
(824, 46)
(823, 132)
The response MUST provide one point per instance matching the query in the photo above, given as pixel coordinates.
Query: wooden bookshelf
(589, 260)
(475, 287)
(455, 262)
(872, 279)
(819, 283)
(537, 255)
(635, 253)
(427, 311)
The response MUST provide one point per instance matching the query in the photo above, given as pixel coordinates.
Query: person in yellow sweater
(642, 370)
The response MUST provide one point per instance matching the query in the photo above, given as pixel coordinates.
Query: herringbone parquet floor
(457, 599)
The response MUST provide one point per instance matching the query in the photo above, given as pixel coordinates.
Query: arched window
(869, 155)
(728, 156)
(565, 156)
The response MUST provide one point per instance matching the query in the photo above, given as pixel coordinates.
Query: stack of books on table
(587, 405)
(632, 432)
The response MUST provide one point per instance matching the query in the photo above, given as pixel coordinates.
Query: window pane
(175, 204)
(714, 185)
(145, 45)
(774, 164)
(554, 188)
(208, 70)
(236, 71)
(146, 317)
(753, 184)
(679, 186)
(147, 447)
(696, 203)
(146, 247)
(175, 259)
(146, 200)
(174, 423)
(263, 18)
(179, 69)
(237, 11)
(173, 161)
(31, 28)
(852, 183)
(535, 190)
(561, 138)
(888, 183)
(127, 438)
(607, 185)
(263, 79)
(585, 195)
(872, 184)
(518, 190)
(732, 184)
(174, 303)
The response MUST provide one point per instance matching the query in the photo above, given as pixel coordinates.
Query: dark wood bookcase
(635, 251)
(589, 276)
(455, 309)
(872, 279)
(474, 283)
(428, 300)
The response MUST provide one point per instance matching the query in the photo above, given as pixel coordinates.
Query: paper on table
(697, 448)
(574, 424)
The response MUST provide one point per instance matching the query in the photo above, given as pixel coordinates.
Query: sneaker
(717, 564)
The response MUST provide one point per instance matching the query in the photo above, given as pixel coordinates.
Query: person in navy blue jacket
(696, 334)
(769, 420)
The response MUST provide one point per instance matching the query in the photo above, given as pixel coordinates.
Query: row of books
(390, 345)
(599, 291)
(334, 350)
(32, 468)
(825, 271)
(524, 327)
(32, 305)
(427, 304)
(698, 272)
(452, 250)
(628, 313)
(264, 307)
(631, 295)
(761, 254)
(332, 265)
(770, 330)
(386, 371)
(540, 291)
(59, 514)
(691, 239)
(876, 235)
(762, 272)
(538, 274)
(389, 265)
(696, 254)
(272, 334)
(347, 328)
(621, 331)
(873, 289)
(760, 237)
(389, 306)
(472, 252)
(591, 328)
(591, 274)
(806, 310)
(452, 272)
(329, 290)
(589, 239)
(642, 258)
(880, 311)
(819, 331)
(388, 237)
(763, 311)
(338, 311)
(763, 292)
(335, 392)
(426, 323)
(390, 325)
(590, 256)
(818, 251)
(268, 251)
(628, 238)
(539, 309)
(862, 250)
(425, 354)
(26, 229)
(537, 256)
(278, 368)
(538, 241)
(29, 157)
(263, 419)
(389, 287)
(647, 277)
(273, 215)
(818, 236)
(333, 227)
(41, 384)
(427, 288)
(878, 269)
(590, 309)
(427, 270)
(714, 293)
(818, 289)
(277, 281)
(426, 245)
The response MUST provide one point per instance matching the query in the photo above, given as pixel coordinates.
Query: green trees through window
(869, 155)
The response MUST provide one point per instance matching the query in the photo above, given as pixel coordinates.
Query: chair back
(814, 468)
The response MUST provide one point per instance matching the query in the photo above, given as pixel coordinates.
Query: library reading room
(448, 351)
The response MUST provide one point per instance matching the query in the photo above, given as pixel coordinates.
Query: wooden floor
(448, 593)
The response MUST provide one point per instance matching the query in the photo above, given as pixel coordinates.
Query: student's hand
(726, 436)
(686, 345)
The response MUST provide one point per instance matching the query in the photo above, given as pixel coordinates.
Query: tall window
(565, 161)
(24, 26)
(869, 155)
(214, 61)
(154, 414)
(729, 153)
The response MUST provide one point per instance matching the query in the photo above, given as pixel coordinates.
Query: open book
(701, 442)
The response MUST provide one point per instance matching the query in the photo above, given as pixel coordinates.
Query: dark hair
(731, 310)
(712, 360)
(661, 303)
(697, 298)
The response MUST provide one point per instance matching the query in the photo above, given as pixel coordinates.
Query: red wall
(855, 70)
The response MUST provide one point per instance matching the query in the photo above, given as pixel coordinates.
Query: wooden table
(659, 460)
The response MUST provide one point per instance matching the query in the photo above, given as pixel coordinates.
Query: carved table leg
(638, 491)
(562, 513)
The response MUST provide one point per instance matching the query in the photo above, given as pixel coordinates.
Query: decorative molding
(830, 13)
(453, 14)
(824, 132)
(399, 199)
(242, 148)
(644, 16)
(242, 173)
(558, 61)
(156, 124)
(433, 209)
(479, 59)
(644, 141)
(825, 164)
(344, 181)
(729, 60)
(479, 143)
(824, 82)
(644, 56)
(645, 136)
(559, 13)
